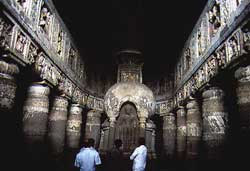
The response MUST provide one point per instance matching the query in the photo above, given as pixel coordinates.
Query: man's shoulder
(94, 150)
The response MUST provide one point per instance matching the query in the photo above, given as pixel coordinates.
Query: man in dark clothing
(115, 157)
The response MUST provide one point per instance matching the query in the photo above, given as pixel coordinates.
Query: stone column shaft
(7, 86)
(169, 134)
(215, 120)
(194, 129)
(243, 103)
(57, 125)
(181, 133)
(243, 100)
(142, 125)
(106, 138)
(93, 125)
(35, 115)
(73, 128)
(112, 123)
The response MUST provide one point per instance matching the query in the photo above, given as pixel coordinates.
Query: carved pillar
(101, 146)
(7, 86)
(243, 103)
(105, 128)
(57, 125)
(142, 125)
(148, 137)
(112, 122)
(181, 133)
(215, 120)
(73, 128)
(35, 117)
(93, 125)
(153, 144)
(194, 127)
(169, 134)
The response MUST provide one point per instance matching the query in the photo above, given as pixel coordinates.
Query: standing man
(89, 158)
(139, 156)
(115, 157)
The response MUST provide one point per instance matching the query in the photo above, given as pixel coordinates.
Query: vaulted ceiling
(158, 28)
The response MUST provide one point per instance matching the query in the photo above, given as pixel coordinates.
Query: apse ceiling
(157, 28)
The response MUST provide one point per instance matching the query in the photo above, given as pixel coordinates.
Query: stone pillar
(169, 134)
(142, 125)
(215, 122)
(35, 120)
(181, 133)
(148, 137)
(73, 128)
(112, 122)
(57, 125)
(93, 125)
(35, 117)
(105, 128)
(153, 144)
(243, 103)
(7, 86)
(194, 129)
(101, 146)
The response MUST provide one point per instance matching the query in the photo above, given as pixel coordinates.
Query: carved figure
(187, 55)
(233, 49)
(45, 19)
(59, 42)
(199, 42)
(221, 57)
(5, 34)
(214, 18)
(21, 42)
(33, 51)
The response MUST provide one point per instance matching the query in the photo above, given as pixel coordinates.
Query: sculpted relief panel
(127, 127)
(6, 31)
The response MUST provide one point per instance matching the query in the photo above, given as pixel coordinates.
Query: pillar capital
(213, 92)
(112, 122)
(243, 74)
(8, 68)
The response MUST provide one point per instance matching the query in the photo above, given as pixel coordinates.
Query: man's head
(141, 141)
(91, 142)
(118, 143)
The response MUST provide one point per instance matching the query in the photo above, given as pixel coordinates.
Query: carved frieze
(164, 107)
(111, 102)
(220, 54)
(77, 96)
(46, 70)
(233, 47)
(90, 102)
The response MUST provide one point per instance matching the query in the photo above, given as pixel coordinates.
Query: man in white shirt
(89, 158)
(139, 156)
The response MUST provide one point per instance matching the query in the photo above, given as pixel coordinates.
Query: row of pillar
(40, 124)
(47, 128)
(203, 124)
